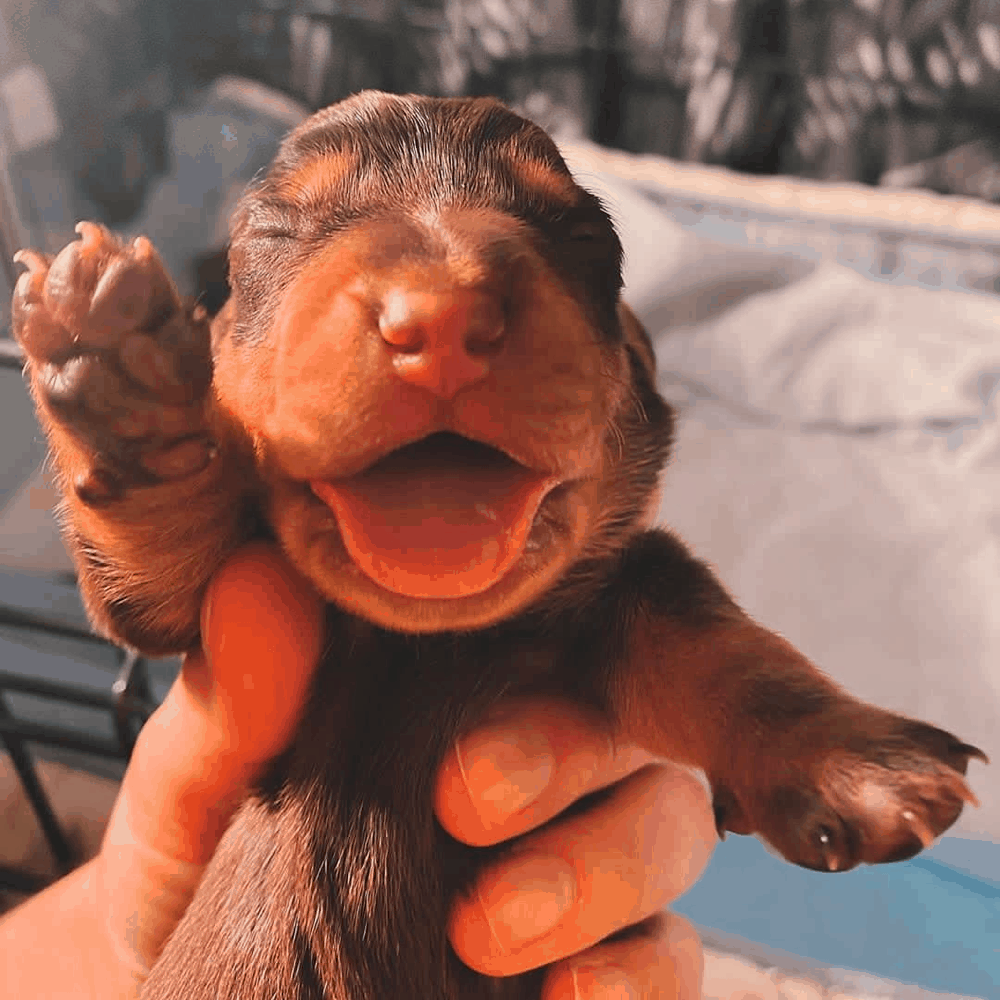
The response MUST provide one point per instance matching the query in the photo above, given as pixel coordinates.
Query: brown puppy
(426, 387)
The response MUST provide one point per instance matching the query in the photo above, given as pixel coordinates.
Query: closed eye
(587, 231)
(270, 221)
(272, 234)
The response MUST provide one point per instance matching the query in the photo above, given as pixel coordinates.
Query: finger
(525, 764)
(192, 763)
(262, 624)
(588, 875)
(658, 959)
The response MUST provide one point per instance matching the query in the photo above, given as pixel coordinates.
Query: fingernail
(505, 767)
(529, 899)
(602, 982)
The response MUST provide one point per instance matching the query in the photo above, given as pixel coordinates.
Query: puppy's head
(425, 346)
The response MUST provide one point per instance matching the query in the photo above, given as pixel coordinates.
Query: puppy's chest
(408, 679)
(387, 707)
(352, 800)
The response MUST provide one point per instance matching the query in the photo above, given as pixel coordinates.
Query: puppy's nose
(441, 339)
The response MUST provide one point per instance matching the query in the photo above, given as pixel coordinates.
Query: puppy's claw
(968, 795)
(143, 250)
(919, 827)
(970, 751)
(729, 814)
(32, 260)
(91, 232)
(830, 856)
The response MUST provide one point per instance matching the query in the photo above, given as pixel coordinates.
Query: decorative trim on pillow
(906, 237)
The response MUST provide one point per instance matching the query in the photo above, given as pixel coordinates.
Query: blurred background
(891, 92)
(881, 91)
(152, 116)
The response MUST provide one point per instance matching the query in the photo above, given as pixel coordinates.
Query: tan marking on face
(546, 181)
(317, 177)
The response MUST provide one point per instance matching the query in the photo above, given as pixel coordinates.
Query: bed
(834, 352)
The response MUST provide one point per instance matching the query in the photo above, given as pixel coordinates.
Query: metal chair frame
(129, 701)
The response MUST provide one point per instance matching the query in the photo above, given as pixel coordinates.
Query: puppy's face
(426, 350)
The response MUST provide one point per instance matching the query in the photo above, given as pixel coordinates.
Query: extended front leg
(826, 779)
(121, 375)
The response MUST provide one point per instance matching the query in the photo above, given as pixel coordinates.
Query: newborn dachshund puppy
(426, 386)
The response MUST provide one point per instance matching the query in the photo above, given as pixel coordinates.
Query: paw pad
(898, 788)
(115, 358)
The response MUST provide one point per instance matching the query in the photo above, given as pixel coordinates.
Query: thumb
(231, 709)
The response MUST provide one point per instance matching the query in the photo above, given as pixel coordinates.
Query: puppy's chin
(312, 539)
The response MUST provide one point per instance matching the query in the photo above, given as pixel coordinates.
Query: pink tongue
(444, 517)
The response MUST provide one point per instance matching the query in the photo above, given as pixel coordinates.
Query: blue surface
(920, 921)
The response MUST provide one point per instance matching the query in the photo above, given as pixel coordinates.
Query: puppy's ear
(211, 271)
(636, 336)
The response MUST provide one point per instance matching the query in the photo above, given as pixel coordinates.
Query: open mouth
(442, 517)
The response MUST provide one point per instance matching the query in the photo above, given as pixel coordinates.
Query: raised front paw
(854, 784)
(116, 360)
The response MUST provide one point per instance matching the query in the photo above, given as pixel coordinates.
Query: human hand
(96, 932)
(589, 874)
